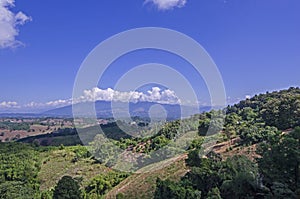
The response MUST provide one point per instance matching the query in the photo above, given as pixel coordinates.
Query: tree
(280, 160)
(197, 143)
(205, 177)
(67, 188)
(159, 142)
(169, 189)
(194, 159)
(211, 123)
(104, 150)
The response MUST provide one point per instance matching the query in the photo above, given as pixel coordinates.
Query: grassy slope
(143, 185)
(57, 163)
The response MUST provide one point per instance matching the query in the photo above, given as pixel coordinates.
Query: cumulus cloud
(59, 102)
(9, 23)
(154, 95)
(54, 103)
(167, 4)
(8, 104)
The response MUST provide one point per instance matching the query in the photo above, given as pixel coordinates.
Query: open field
(16, 128)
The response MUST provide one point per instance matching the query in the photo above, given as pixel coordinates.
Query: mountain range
(107, 109)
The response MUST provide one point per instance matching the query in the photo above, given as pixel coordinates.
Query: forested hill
(263, 163)
(280, 109)
(257, 155)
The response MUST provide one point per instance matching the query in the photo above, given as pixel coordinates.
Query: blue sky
(254, 43)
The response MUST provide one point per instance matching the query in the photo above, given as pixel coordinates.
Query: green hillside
(256, 156)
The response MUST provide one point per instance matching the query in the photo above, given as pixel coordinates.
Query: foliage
(16, 190)
(257, 119)
(100, 184)
(280, 109)
(48, 194)
(269, 120)
(276, 175)
(196, 143)
(170, 130)
(18, 162)
(280, 160)
(214, 193)
(13, 126)
(169, 189)
(19, 165)
(80, 152)
(67, 188)
(236, 177)
(194, 159)
(256, 133)
(66, 137)
(104, 150)
(211, 122)
(159, 142)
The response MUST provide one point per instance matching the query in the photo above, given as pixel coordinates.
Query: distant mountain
(21, 115)
(141, 109)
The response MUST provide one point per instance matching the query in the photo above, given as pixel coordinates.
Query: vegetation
(19, 166)
(273, 174)
(56, 165)
(13, 126)
(280, 164)
(101, 184)
(70, 136)
(67, 188)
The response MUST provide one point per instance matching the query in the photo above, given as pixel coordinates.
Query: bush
(67, 188)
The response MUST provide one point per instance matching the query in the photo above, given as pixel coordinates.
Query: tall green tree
(67, 188)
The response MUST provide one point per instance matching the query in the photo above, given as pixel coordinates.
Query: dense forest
(268, 123)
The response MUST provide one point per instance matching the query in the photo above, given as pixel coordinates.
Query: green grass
(60, 162)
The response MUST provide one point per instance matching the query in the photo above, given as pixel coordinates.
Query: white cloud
(9, 104)
(167, 4)
(60, 102)
(54, 103)
(154, 95)
(33, 104)
(9, 23)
